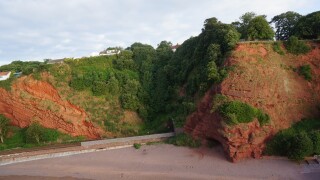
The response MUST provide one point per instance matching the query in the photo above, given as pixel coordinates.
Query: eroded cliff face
(266, 80)
(35, 101)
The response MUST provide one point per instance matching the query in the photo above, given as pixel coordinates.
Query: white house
(109, 52)
(4, 75)
(174, 48)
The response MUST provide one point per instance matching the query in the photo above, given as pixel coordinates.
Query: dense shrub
(184, 139)
(77, 84)
(300, 146)
(4, 124)
(298, 141)
(315, 137)
(137, 145)
(305, 71)
(294, 46)
(35, 133)
(236, 112)
(99, 88)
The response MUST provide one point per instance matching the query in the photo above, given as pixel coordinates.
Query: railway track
(41, 148)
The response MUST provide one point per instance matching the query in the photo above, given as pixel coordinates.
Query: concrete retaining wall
(127, 140)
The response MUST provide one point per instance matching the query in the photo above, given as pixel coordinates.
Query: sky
(51, 29)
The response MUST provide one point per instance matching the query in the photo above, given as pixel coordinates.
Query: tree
(308, 27)
(259, 29)
(285, 24)
(4, 122)
(242, 25)
(34, 133)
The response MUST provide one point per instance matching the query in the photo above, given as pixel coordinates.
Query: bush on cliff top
(294, 46)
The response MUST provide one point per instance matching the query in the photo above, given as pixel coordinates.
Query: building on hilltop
(4, 75)
(109, 52)
(55, 61)
(175, 47)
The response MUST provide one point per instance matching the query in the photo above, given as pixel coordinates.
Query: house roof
(175, 46)
(4, 73)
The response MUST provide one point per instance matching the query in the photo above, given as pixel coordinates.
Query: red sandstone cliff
(266, 80)
(31, 100)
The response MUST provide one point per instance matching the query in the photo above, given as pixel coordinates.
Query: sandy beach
(154, 162)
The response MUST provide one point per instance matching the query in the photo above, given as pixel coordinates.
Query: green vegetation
(158, 84)
(285, 24)
(297, 142)
(305, 71)
(235, 112)
(277, 47)
(28, 137)
(26, 68)
(259, 29)
(294, 46)
(184, 139)
(253, 27)
(4, 124)
(35, 133)
(308, 27)
(137, 145)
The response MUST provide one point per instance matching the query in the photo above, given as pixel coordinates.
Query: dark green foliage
(110, 126)
(259, 29)
(99, 88)
(300, 146)
(315, 138)
(35, 133)
(184, 139)
(294, 46)
(285, 24)
(297, 142)
(137, 145)
(308, 27)
(4, 125)
(305, 71)
(25, 67)
(50, 135)
(77, 84)
(277, 47)
(16, 140)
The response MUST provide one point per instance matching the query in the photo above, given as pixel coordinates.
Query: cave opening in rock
(212, 143)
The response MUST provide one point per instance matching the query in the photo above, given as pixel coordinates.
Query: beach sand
(155, 162)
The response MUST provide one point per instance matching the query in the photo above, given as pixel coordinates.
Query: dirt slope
(31, 100)
(266, 80)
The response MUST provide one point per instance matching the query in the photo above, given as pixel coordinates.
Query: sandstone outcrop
(36, 101)
(266, 80)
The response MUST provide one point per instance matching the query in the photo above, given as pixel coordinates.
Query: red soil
(36, 101)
